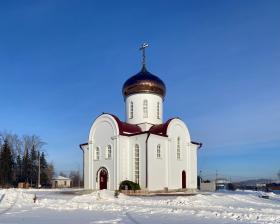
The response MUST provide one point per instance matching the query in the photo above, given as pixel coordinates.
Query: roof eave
(197, 143)
(83, 144)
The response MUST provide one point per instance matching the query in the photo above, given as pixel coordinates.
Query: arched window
(145, 109)
(131, 110)
(158, 117)
(158, 151)
(178, 148)
(136, 163)
(109, 152)
(97, 153)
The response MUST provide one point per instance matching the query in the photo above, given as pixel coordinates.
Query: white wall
(141, 141)
(86, 166)
(167, 171)
(193, 166)
(124, 154)
(104, 131)
(138, 116)
(177, 128)
(157, 167)
(208, 186)
(61, 183)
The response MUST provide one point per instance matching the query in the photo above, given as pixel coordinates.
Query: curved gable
(177, 126)
(104, 120)
(118, 127)
(125, 128)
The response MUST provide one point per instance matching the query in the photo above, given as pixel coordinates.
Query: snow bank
(100, 200)
(10, 198)
(241, 206)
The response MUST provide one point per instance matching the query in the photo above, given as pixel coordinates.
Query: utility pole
(216, 175)
(79, 181)
(39, 169)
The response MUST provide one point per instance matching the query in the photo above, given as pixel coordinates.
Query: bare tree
(61, 173)
(32, 141)
(50, 171)
(14, 142)
(27, 144)
(76, 178)
(37, 142)
(1, 138)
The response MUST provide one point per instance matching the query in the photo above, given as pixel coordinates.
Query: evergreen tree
(6, 164)
(34, 166)
(26, 167)
(44, 171)
(18, 169)
(19, 160)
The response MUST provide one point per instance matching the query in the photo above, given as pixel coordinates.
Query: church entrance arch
(102, 175)
(184, 181)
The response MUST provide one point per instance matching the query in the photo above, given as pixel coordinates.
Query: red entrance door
(103, 176)
(184, 179)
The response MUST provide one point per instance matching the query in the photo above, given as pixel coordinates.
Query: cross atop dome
(142, 48)
(144, 81)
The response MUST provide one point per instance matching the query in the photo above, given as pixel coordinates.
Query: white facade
(143, 149)
(61, 182)
(160, 164)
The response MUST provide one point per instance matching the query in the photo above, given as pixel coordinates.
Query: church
(144, 149)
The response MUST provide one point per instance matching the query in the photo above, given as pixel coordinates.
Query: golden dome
(144, 82)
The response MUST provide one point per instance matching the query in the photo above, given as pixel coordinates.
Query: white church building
(143, 148)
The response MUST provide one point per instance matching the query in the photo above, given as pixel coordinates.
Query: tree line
(21, 158)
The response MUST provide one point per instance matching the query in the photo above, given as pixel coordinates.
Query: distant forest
(20, 158)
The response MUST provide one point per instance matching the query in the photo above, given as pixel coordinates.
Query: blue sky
(62, 63)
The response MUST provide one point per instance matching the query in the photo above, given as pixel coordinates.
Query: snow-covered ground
(58, 206)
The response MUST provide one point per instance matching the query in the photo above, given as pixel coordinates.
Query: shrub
(129, 185)
(116, 194)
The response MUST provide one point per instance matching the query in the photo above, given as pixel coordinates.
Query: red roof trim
(160, 129)
(143, 132)
(125, 128)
